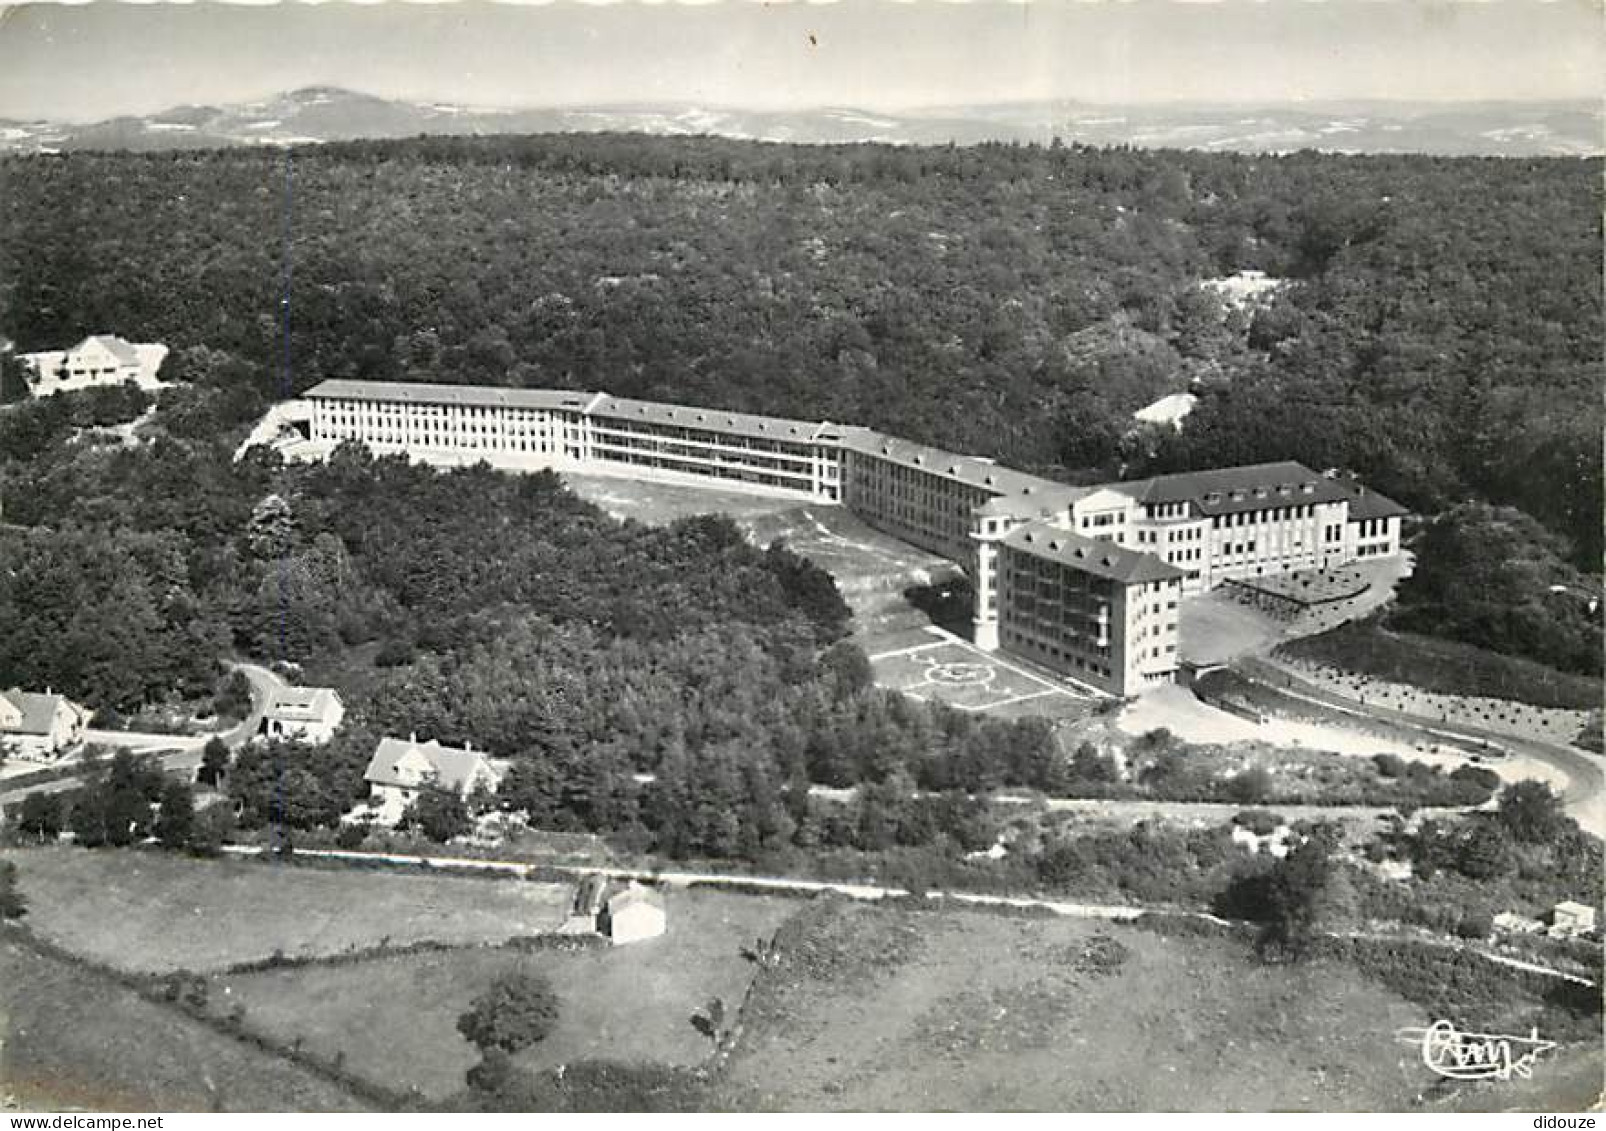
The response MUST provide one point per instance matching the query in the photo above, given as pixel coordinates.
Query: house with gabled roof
(99, 360)
(303, 714)
(403, 768)
(633, 913)
(35, 725)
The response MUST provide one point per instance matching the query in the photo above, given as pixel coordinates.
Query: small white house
(1512, 923)
(303, 714)
(1571, 919)
(97, 361)
(402, 768)
(633, 914)
(39, 726)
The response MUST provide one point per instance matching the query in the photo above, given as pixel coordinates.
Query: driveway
(178, 753)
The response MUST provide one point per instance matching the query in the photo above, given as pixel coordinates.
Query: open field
(395, 1018)
(154, 912)
(934, 665)
(891, 1010)
(74, 1038)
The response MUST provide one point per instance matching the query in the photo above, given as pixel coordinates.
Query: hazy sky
(97, 60)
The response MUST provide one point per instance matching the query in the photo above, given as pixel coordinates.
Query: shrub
(395, 653)
(1475, 925)
(12, 903)
(516, 1011)
(1531, 813)
(1261, 822)
(1389, 765)
(1251, 787)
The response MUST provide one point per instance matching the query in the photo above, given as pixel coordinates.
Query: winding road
(177, 752)
(1585, 772)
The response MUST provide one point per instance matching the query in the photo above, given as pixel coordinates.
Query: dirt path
(1107, 912)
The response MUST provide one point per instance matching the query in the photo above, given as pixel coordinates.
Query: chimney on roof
(467, 745)
(412, 737)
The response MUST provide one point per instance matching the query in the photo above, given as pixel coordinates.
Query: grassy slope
(395, 1018)
(153, 912)
(1443, 666)
(73, 1038)
(900, 1014)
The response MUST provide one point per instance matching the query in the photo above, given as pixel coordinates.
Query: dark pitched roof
(1365, 503)
(453, 768)
(483, 396)
(712, 419)
(974, 470)
(38, 711)
(1089, 555)
(1228, 490)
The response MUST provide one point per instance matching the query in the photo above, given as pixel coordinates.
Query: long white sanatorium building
(1082, 580)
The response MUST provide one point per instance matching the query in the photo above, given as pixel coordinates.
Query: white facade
(35, 726)
(303, 714)
(1571, 919)
(1209, 526)
(633, 915)
(98, 361)
(401, 769)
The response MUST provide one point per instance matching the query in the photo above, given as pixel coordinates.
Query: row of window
(1022, 641)
(1256, 518)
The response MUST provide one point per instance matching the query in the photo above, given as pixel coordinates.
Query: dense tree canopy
(1496, 578)
(1440, 334)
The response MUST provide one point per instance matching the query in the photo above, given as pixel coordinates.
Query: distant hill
(318, 114)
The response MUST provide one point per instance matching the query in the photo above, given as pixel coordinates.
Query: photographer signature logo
(1450, 1052)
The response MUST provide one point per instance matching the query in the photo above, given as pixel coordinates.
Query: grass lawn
(76, 1039)
(916, 1010)
(150, 911)
(659, 504)
(1443, 666)
(395, 1018)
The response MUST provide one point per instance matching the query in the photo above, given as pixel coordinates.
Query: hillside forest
(1439, 332)
(1436, 329)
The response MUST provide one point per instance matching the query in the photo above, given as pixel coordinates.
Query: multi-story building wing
(1240, 522)
(764, 451)
(534, 428)
(1088, 608)
(1083, 580)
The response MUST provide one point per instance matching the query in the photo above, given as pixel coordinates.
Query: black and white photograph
(725, 556)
